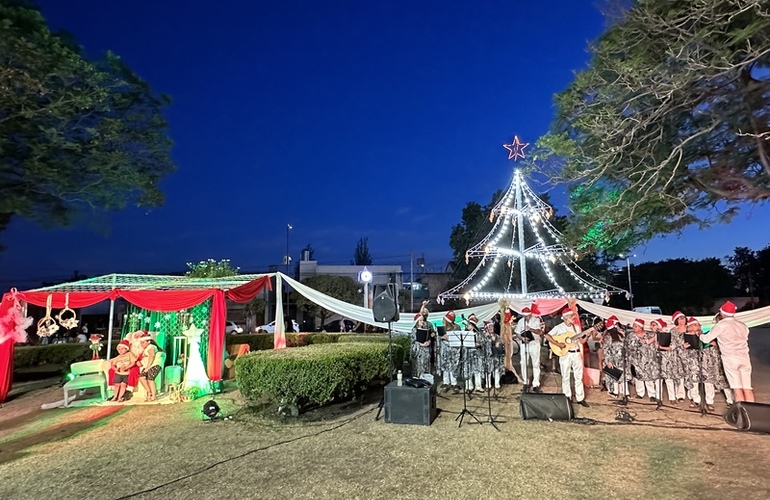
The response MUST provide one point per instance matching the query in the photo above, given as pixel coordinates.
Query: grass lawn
(166, 451)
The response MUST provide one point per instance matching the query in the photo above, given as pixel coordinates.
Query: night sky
(345, 119)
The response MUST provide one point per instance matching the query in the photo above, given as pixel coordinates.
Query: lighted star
(516, 148)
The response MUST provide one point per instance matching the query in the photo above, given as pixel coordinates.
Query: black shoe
(639, 397)
(536, 389)
(653, 399)
(583, 403)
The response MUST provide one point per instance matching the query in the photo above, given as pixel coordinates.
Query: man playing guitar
(563, 340)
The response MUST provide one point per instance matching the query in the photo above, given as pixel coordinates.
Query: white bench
(87, 374)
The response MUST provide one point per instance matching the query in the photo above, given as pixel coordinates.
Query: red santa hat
(473, 319)
(526, 311)
(692, 321)
(125, 344)
(727, 309)
(567, 312)
(450, 315)
(660, 322)
(611, 322)
(639, 322)
(535, 310)
(417, 316)
(677, 315)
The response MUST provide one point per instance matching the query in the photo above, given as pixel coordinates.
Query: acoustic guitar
(569, 339)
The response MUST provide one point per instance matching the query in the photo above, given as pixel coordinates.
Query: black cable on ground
(245, 454)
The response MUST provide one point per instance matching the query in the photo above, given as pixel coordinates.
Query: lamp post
(288, 255)
(628, 269)
(365, 277)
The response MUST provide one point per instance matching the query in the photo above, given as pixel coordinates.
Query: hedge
(402, 340)
(315, 374)
(264, 341)
(54, 354)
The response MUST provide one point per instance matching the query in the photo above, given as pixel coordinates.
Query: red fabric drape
(546, 307)
(248, 291)
(216, 336)
(152, 300)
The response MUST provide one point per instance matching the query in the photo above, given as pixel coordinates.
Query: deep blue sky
(346, 119)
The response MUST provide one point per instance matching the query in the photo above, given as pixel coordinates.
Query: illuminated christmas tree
(505, 250)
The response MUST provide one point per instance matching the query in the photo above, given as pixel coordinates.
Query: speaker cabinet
(753, 417)
(410, 405)
(385, 305)
(545, 406)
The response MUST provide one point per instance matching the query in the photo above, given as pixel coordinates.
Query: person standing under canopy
(733, 338)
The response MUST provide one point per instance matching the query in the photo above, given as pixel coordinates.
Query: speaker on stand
(385, 310)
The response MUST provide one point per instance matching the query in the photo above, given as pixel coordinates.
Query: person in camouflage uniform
(643, 359)
(472, 359)
(670, 363)
(421, 351)
(493, 355)
(612, 343)
(449, 357)
(702, 365)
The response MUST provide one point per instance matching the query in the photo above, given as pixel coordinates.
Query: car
(334, 326)
(231, 327)
(270, 327)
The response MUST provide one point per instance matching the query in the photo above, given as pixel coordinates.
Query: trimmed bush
(357, 337)
(315, 374)
(54, 354)
(264, 341)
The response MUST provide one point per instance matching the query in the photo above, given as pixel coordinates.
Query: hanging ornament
(69, 322)
(13, 326)
(47, 326)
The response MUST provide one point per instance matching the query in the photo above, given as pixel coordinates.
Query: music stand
(462, 335)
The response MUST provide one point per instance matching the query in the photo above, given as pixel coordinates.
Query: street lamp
(628, 268)
(287, 260)
(365, 277)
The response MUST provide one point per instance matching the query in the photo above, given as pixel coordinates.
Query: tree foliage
(343, 288)
(211, 269)
(670, 124)
(681, 284)
(362, 257)
(75, 134)
(751, 270)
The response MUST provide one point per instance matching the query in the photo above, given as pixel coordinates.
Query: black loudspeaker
(544, 406)
(753, 417)
(385, 305)
(410, 405)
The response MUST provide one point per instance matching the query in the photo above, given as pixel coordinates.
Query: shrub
(313, 375)
(356, 337)
(264, 341)
(54, 354)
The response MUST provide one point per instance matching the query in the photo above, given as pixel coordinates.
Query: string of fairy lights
(519, 201)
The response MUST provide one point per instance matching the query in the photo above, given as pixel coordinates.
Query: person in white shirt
(572, 361)
(529, 331)
(733, 338)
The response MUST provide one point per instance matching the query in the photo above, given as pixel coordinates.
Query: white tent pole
(109, 328)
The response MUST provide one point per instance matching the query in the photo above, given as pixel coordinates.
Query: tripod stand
(391, 368)
(465, 411)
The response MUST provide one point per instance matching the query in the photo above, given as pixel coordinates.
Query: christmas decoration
(505, 245)
(68, 322)
(14, 324)
(96, 345)
(46, 326)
